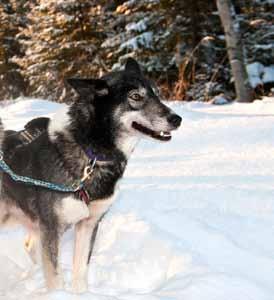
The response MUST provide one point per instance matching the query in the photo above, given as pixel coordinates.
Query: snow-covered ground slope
(194, 220)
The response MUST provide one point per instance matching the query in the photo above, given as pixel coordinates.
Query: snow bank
(259, 74)
(194, 219)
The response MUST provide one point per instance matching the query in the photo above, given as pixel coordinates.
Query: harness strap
(80, 191)
(28, 135)
(35, 182)
(84, 196)
(25, 134)
(93, 156)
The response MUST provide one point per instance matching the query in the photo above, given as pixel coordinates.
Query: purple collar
(96, 157)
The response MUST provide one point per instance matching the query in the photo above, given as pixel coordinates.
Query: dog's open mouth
(158, 135)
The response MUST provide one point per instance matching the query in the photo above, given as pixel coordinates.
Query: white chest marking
(71, 210)
(127, 143)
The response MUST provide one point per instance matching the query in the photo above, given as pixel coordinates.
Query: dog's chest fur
(105, 175)
(71, 211)
(61, 161)
(101, 187)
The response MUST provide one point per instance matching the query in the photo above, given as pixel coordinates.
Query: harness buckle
(86, 175)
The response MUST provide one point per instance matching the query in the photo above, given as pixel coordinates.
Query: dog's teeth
(164, 134)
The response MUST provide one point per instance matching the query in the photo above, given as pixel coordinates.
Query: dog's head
(128, 103)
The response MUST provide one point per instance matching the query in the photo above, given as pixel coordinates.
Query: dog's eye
(136, 97)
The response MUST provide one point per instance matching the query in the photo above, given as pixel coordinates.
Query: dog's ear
(133, 66)
(89, 87)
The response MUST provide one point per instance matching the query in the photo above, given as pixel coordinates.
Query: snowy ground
(194, 220)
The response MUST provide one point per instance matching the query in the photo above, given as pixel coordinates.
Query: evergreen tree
(181, 44)
(11, 82)
(60, 41)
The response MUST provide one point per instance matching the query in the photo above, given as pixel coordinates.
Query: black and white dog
(111, 114)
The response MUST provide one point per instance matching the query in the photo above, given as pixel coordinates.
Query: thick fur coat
(111, 114)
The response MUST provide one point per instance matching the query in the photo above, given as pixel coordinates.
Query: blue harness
(77, 188)
(30, 181)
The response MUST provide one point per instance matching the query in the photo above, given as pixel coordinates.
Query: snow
(194, 218)
(139, 26)
(142, 40)
(255, 72)
(219, 100)
(268, 74)
(259, 74)
(131, 3)
(264, 46)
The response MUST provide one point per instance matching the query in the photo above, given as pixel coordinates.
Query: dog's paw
(79, 286)
(30, 272)
(56, 283)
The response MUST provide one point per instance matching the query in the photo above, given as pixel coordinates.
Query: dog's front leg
(32, 245)
(85, 234)
(50, 258)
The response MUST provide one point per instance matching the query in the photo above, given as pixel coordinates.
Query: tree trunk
(235, 50)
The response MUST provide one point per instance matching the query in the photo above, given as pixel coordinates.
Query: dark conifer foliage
(180, 43)
(11, 22)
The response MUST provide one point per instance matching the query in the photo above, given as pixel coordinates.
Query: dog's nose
(174, 120)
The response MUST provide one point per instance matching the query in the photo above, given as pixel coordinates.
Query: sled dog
(91, 139)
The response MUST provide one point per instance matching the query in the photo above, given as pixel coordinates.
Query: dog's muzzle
(174, 120)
